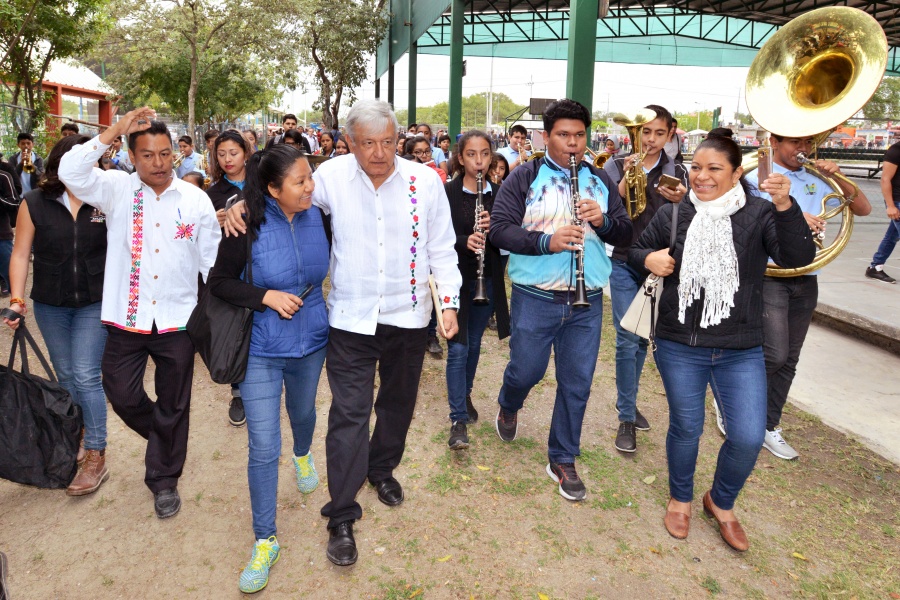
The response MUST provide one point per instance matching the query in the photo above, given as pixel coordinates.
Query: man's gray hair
(371, 115)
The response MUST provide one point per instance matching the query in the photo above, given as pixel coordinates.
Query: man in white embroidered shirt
(162, 233)
(391, 224)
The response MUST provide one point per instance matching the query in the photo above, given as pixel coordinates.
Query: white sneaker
(719, 420)
(775, 444)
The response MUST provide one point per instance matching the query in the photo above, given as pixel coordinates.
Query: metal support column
(582, 42)
(390, 97)
(457, 12)
(378, 88)
(413, 65)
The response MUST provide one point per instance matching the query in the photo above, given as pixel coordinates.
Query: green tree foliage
(180, 49)
(885, 104)
(334, 39)
(688, 121)
(33, 33)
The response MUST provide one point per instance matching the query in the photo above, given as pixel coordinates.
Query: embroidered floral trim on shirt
(183, 231)
(415, 234)
(451, 302)
(137, 245)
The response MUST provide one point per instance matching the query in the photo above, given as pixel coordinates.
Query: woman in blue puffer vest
(290, 253)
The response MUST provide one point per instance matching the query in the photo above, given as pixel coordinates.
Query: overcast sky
(623, 87)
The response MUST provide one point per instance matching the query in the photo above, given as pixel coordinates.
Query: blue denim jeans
(574, 336)
(631, 349)
(887, 244)
(261, 391)
(462, 357)
(738, 380)
(75, 339)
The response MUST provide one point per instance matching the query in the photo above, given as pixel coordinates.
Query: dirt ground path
(483, 523)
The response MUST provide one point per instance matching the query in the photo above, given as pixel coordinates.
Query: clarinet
(581, 300)
(480, 296)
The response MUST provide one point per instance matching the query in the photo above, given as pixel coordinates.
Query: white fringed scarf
(709, 260)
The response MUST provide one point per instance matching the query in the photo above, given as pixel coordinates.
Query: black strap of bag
(673, 234)
(21, 336)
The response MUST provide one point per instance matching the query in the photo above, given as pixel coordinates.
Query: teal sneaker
(256, 574)
(307, 477)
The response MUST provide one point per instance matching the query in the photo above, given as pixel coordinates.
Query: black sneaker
(570, 485)
(640, 421)
(236, 414)
(507, 425)
(626, 439)
(434, 347)
(167, 503)
(459, 437)
(470, 410)
(879, 274)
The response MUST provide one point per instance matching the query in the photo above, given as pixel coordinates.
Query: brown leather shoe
(678, 524)
(91, 475)
(731, 531)
(81, 452)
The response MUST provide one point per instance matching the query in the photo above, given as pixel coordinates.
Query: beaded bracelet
(16, 301)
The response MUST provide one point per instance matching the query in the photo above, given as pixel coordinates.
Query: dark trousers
(788, 305)
(164, 423)
(350, 364)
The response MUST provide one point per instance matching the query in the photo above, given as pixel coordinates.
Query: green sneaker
(256, 574)
(307, 477)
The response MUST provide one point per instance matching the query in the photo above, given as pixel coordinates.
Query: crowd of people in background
(372, 204)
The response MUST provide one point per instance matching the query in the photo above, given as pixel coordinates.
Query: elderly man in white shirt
(162, 233)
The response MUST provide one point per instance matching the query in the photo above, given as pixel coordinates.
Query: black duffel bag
(40, 425)
(220, 332)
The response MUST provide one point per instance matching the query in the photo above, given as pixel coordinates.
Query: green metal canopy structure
(713, 33)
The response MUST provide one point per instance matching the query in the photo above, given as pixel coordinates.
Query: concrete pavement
(849, 373)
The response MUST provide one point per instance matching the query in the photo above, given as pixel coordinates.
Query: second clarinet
(581, 300)
(480, 295)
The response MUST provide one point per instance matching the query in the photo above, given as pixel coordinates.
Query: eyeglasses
(422, 152)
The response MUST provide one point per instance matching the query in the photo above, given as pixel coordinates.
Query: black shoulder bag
(221, 331)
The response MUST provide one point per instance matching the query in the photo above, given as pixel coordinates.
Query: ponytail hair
(266, 168)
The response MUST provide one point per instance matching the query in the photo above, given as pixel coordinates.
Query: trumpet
(110, 153)
(179, 158)
(581, 300)
(27, 165)
(599, 158)
(480, 295)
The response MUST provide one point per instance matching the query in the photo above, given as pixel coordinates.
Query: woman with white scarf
(709, 330)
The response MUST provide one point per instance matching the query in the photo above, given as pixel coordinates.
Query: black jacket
(462, 211)
(221, 192)
(69, 254)
(759, 232)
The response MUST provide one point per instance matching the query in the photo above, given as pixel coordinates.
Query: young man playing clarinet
(533, 219)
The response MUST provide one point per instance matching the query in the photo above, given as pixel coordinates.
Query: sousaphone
(810, 77)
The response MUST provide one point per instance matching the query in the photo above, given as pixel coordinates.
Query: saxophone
(480, 296)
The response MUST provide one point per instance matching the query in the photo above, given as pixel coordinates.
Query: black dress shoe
(389, 491)
(470, 410)
(167, 503)
(341, 545)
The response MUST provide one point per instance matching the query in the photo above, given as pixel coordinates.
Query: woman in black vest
(69, 243)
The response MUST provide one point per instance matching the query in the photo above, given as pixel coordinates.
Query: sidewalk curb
(878, 333)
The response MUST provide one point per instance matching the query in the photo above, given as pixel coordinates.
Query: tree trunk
(192, 90)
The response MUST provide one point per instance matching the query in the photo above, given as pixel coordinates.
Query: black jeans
(788, 305)
(350, 364)
(164, 423)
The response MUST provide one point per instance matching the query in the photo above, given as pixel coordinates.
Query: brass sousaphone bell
(810, 77)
